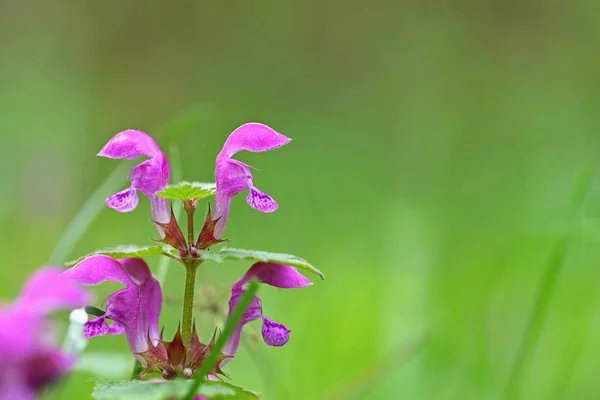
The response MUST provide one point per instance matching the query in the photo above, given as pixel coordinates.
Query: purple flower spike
(149, 177)
(233, 176)
(274, 333)
(30, 361)
(134, 310)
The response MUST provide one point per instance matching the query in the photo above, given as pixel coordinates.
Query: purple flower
(29, 359)
(149, 177)
(274, 333)
(134, 310)
(233, 176)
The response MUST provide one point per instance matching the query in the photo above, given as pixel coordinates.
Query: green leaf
(188, 191)
(145, 390)
(257, 255)
(124, 251)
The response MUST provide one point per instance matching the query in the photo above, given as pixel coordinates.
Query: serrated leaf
(188, 191)
(124, 251)
(258, 255)
(211, 256)
(145, 390)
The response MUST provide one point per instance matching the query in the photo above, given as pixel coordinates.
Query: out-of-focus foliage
(435, 148)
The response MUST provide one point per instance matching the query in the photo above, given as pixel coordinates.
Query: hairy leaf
(124, 251)
(145, 390)
(257, 255)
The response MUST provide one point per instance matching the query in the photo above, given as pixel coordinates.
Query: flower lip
(274, 333)
(124, 201)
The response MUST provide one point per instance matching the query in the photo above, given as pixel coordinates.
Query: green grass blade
(359, 386)
(230, 326)
(540, 309)
(88, 213)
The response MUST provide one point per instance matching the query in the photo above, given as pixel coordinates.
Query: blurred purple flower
(233, 176)
(149, 177)
(134, 310)
(30, 360)
(274, 333)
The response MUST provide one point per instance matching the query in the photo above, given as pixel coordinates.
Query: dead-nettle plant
(183, 367)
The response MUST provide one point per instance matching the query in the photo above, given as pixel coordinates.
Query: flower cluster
(134, 310)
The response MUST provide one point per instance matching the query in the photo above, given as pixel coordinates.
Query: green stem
(541, 306)
(189, 209)
(188, 303)
(230, 326)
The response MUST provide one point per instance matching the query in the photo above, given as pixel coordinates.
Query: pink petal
(130, 144)
(253, 312)
(274, 333)
(261, 201)
(47, 367)
(124, 201)
(277, 275)
(136, 268)
(253, 137)
(96, 327)
(231, 177)
(150, 294)
(148, 177)
(30, 361)
(48, 290)
(116, 329)
(97, 269)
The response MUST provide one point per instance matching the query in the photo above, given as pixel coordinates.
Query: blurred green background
(436, 147)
